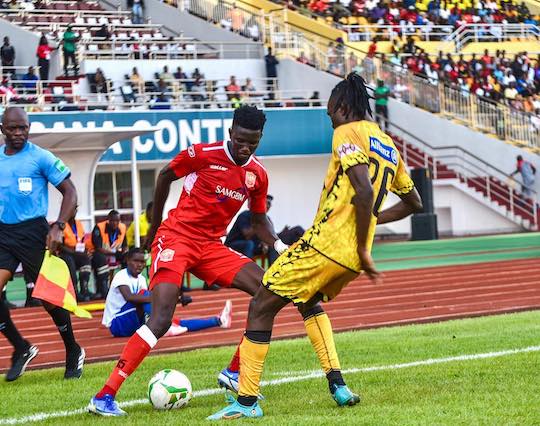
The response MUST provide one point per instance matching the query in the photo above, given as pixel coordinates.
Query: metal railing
(496, 185)
(476, 112)
(391, 32)
(470, 33)
(229, 17)
(96, 48)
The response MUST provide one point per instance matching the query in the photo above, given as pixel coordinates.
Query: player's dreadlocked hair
(352, 92)
(249, 117)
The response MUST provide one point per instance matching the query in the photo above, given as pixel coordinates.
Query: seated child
(128, 303)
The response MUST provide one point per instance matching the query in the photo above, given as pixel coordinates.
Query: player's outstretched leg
(164, 298)
(253, 350)
(320, 334)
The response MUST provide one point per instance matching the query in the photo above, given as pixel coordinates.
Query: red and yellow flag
(54, 286)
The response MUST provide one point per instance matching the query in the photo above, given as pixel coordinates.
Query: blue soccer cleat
(237, 411)
(343, 396)
(105, 406)
(228, 379)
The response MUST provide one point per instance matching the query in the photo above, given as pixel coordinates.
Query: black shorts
(24, 243)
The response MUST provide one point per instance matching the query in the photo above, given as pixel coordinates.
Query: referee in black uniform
(25, 172)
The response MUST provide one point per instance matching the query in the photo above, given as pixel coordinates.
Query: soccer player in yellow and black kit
(365, 165)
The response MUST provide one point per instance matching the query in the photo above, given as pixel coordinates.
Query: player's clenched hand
(368, 266)
(54, 239)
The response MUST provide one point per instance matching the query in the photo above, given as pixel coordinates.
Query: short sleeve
(53, 168)
(119, 279)
(257, 200)
(402, 183)
(188, 161)
(350, 147)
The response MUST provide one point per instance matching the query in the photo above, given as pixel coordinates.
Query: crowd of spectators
(510, 79)
(418, 12)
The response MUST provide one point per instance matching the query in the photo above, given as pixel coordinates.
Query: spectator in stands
(236, 18)
(179, 74)
(382, 93)
(137, 11)
(352, 62)
(302, 58)
(198, 94)
(253, 30)
(44, 57)
(249, 88)
(232, 88)
(103, 32)
(107, 245)
(271, 64)
(163, 87)
(76, 257)
(7, 55)
(30, 79)
(70, 50)
(136, 80)
(527, 171)
(101, 82)
(166, 75)
(128, 94)
(7, 90)
(315, 99)
(242, 236)
(161, 101)
(145, 220)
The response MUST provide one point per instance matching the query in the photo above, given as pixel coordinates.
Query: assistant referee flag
(54, 285)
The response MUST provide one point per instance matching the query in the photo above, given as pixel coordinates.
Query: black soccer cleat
(19, 362)
(75, 364)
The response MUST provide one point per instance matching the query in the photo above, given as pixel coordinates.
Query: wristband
(280, 246)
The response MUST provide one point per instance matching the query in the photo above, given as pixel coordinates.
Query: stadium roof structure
(80, 149)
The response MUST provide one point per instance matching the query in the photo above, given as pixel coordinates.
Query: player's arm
(163, 186)
(188, 161)
(136, 299)
(67, 210)
(264, 229)
(363, 203)
(410, 203)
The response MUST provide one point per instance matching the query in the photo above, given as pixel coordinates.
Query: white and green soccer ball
(169, 389)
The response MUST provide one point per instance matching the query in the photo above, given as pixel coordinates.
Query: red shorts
(208, 260)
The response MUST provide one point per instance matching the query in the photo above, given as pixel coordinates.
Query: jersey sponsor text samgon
(235, 195)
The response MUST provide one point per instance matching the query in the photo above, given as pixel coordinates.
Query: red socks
(234, 366)
(136, 349)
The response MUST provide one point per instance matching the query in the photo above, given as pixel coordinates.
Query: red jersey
(215, 188)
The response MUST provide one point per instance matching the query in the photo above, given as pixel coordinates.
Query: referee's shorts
(24, 243)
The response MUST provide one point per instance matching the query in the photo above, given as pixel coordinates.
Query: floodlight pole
(135, 194)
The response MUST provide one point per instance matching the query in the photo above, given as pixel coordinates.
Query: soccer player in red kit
(219, 178)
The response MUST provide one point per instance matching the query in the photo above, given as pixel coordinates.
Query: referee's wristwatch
(61, 225)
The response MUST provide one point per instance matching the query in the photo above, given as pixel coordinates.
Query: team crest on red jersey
(250, 179)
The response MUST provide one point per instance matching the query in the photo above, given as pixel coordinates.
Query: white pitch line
(310, 375)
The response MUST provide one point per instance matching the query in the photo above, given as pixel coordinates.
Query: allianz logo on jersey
(387, 152)
(223, 193)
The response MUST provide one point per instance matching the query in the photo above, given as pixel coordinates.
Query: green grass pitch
(494, 390)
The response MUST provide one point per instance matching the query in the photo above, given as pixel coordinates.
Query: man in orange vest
(108, 246)
(75, 255)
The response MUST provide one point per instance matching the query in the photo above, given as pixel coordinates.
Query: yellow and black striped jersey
(334, 230)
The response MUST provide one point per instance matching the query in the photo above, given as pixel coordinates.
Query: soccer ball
(169, 389)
